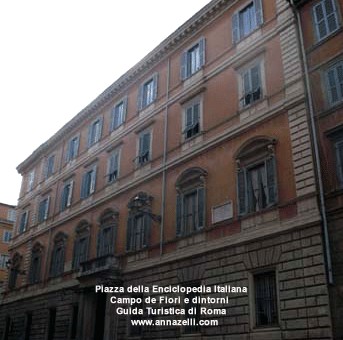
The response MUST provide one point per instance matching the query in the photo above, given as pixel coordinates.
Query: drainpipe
(316, 148)
(164, 174)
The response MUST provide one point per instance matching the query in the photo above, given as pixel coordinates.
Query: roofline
(156, 55)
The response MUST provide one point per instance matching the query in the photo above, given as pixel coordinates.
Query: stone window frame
(35, 266)
(67, 194)
(82, 235)
(24, 221)
(94, 131)
(113, 165)
(72, 149)
(146, 95)
(43, 209)
(118, 118)
(144, 156)
(197, 100)
(57, 259)
(30, 181)
(252, 154)
(49, 166)
(107, 233)
(88, 181)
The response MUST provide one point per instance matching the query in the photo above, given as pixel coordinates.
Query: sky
(58, 56)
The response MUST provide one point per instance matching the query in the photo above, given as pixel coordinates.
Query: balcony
(102, 269)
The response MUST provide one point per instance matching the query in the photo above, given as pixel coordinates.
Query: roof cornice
(174, 40)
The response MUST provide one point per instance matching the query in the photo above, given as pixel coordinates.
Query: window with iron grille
(247, 20)
(325, 18)
(265, 299)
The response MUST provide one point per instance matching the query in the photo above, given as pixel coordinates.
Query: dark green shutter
(76, 255)
(271, 180)
(201, 208)
(184, 65)
(339, 158)
(259, 12)
(129, 233)
(140, 97)
(113, 114)
(146, 230)
(155, 84)
(98, 243)
(83, 185)
(202, 49)
(178, 216)
(241, 192)
(235, 28)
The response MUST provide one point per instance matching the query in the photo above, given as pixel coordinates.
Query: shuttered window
(144, 148)
(43, 210)
(147, 93)
(35, 268)
(193, 59)
(49, 166)
(265, 299)
(30, 181)
(256, 186)
(325, 18)
(138, 231)
(88, 183)
(3, 261)
(252, 88)
(57, 259)
(113, 167)
(80, 253)
(72, 149)
(192, 121)
(23, 221)
(334, 78)
(67, 193)
(339, 160)
(118, 114)
(190, 212)
(94, 132)
(247, 20)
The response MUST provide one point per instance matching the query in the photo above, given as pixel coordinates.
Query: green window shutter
(76, 255)
(255, 77)
(259, 12)
(125, 103)
(146, 230)
(241, 192)
(202, 49)
(155, 86)
(201, 208)
(271, 181)
(140, 97)
(129, 233)
(98, 243)
(184, 65)
(99, 129)
(339, 158)
(90, 133)
(178, 216)
(235, 28)
(113, 115)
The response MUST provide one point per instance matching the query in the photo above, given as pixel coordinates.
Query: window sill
(142, 168)
(117, 130)
(87, 200)
(192, 141)
(324, 40)
(254, 109)
(249, 39)
(113, 185)
(194, 78)
(146, 110)
(331, 109)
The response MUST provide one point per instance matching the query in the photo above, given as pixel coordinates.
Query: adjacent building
(195, 168)
(7, 220)
(320, 29)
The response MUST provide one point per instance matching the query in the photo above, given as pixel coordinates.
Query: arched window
(190, 201)
(256, 176)
(105, 244)
(58, 254)
(36, 259)
(81, 243)
(139, 222)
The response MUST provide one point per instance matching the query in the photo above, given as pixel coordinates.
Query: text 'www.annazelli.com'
(184, 322)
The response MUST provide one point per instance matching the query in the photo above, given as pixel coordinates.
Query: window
(23, 221)
(72, 149)
(52, 323)
(147, 92)
(67, 193)
(190, 202)
(30, 181)
(251, 85)
(335, 83)
(11, 215)
(88, 183)
(3, 261)
(247, 20)
(57, 256)
(144, 147)
(107, 233)
(192, 113)
(339, 160)
(193, 59)
(7, 236)
(36, 259)
(192, 310)
(139, 222)
(94, 132)
(14, 270)
(43, 210)
(81, 244)
(256, 177)
(49, 166)
(325, 18)
(113, 167)
(265, 299)
(118, 114)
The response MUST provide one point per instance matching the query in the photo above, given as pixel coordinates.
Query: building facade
(320, 28)
(7, 220)
(195, 168)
